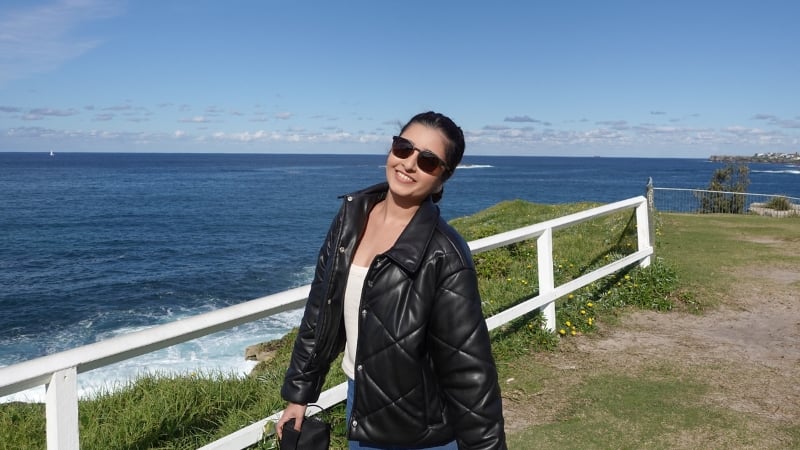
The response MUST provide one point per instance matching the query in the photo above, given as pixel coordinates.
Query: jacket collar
(409, 250)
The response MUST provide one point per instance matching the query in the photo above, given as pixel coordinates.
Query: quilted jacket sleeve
(306, 373)
(463, 360)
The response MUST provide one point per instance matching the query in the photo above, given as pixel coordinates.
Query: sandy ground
(748, 349)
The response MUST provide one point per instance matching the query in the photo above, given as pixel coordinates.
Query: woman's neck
(393, 211)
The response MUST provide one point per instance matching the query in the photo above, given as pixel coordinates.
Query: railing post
(62, 410)
(544, 247)
(643, 231)
(650, 195)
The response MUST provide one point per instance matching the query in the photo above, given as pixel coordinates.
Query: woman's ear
(437, 194)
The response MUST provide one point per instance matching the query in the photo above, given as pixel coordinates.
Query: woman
(395, 288)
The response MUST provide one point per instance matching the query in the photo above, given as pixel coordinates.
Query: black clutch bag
(313, 435)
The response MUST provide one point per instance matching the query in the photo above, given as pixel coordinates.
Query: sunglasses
(427, 161)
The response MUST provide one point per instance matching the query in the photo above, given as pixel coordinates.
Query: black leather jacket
(425, 374)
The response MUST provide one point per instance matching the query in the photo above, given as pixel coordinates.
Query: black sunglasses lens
(427, 161)
(402, 148)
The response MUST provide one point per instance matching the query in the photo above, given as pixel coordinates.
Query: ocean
(95, 245)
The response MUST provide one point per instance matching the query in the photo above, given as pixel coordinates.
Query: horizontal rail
(37, 372)
(536, 230)
(541, 300)
(254, 432)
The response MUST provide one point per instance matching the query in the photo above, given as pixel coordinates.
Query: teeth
(404, 176)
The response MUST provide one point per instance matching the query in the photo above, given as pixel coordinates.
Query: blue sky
(571, 78)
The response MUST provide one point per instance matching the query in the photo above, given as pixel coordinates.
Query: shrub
(727, 184)
(779, 203)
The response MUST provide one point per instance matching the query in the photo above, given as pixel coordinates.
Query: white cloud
(118, 108)
(103, 117)
(195, 119)
(37, 39)
(619, 137)
(520, 119)
(53, 112)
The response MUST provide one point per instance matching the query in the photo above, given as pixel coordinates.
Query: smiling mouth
(403, 177)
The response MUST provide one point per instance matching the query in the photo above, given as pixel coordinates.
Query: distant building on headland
(771, 157)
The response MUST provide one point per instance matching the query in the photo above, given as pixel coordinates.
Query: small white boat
(52, 154)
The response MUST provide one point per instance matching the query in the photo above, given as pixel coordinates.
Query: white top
(352, 301)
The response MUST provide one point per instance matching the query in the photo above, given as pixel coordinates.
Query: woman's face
(406, 180)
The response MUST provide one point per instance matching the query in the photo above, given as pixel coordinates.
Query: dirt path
(747, 350)
(755, 338)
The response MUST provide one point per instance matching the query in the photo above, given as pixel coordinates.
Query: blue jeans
(356, 445)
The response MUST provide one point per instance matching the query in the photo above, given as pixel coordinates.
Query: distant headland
(778, 158)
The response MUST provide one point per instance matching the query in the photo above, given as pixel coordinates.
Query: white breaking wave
(474, 166)
(221, 352)
(791, 171)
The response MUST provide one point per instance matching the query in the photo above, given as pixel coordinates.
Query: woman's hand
(293, 411)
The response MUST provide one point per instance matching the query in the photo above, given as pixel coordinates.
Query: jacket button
(363, 313)
(341, 249)
(360, 367)
(370, 283)
(355, 423)
(329, 301)
(349, 198)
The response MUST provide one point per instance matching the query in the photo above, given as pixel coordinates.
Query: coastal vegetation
(610, 408)
(779, 203)
(725, 184)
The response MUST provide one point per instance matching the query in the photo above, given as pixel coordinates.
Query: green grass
(704, 248)
(615, 411)
(594, 410)
(508, 275)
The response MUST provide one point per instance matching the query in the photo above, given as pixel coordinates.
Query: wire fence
(700, 201)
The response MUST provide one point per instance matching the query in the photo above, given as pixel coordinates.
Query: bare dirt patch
(747, 351)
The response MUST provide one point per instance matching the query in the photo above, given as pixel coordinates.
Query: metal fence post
(650, 194)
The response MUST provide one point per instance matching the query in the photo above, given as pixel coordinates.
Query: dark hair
(454, 149)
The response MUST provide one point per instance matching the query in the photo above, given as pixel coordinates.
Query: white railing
(59, 372)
